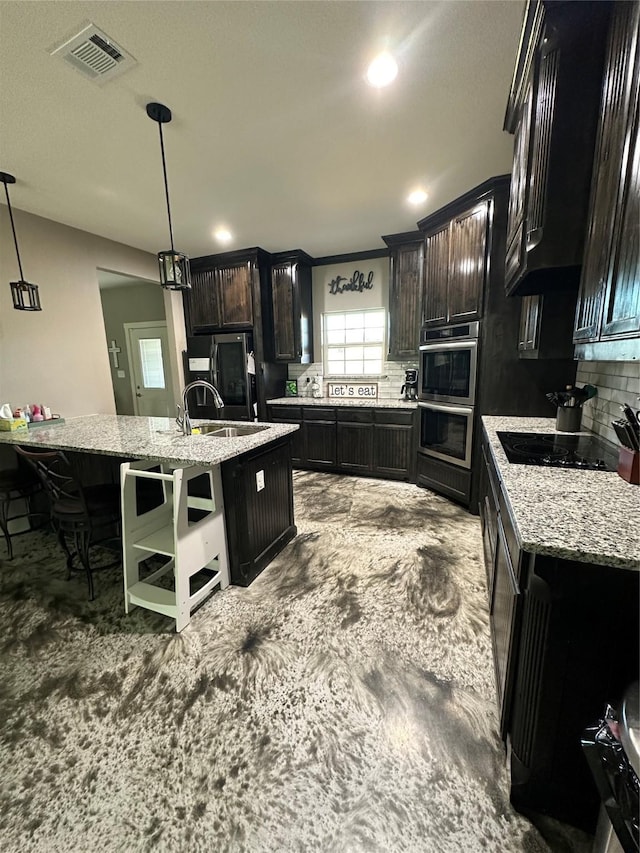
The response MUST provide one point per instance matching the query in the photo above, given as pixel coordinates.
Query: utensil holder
(568, 418)
(629, 465)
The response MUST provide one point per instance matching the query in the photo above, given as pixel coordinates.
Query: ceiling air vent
(94, 54)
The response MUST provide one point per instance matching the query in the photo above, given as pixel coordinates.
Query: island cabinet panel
(405, 293)
(552, 110)
(608, 315)
(292, 308)
(258, 497)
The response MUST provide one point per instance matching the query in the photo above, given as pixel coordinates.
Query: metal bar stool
(87, 515)
(16, 484)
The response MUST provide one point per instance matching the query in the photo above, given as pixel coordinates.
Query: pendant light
(25, 296)
(175, 272)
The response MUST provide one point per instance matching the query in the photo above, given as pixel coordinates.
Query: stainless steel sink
(230, 431)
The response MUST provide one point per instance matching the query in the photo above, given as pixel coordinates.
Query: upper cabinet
(552, 112)
(457, 242)
(292, 307)
(467, 264)
(405, 293)
(226, 291)
(608, 314)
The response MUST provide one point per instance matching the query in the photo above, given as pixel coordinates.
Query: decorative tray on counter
(49, 423)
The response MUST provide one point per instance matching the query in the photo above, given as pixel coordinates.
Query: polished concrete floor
(343, 702)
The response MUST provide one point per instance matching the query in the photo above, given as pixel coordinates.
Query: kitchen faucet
(185, 421)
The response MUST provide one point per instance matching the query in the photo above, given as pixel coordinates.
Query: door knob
(138, 394)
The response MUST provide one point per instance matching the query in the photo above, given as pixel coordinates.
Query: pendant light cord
(166, 185)
(13, 228)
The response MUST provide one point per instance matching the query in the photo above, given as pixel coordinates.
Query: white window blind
(354, 342)
(151, 361)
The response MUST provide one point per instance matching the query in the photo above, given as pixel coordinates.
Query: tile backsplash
(389, 384)
(617, 382)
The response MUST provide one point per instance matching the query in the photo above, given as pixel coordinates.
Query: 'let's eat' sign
(353, 391)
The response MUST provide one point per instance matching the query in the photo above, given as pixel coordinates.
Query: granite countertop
(145, 438)
(366, 402)
(588, 516)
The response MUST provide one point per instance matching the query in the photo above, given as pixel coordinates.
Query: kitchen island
(254, 471)
(562, 555)
(157, 439)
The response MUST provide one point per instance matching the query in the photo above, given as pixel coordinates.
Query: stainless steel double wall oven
(447, 390)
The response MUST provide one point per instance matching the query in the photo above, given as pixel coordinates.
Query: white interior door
(148, 351)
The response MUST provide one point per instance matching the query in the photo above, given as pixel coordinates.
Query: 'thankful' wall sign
(357, 282)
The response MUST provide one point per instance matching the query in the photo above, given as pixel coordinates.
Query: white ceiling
(275, 134)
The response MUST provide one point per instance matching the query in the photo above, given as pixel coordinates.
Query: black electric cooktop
(560, 450)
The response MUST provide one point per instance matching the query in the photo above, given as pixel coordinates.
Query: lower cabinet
(352, 440)
(355, 447)
(319, 426)
(259, 521)
(552, 621)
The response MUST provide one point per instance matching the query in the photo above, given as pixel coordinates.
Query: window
(151, 362)
(353, 342)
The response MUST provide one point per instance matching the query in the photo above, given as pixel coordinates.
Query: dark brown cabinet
(291, 415)
(405, 293)
(319, 436)
(467, 265)
(292, 307)
(552, 111)
(259, 521)
(545, 325)
(231, 291)
(354, 440)
(394, 445)
(355, 447)
(548, 616)
(225, 291)
(608, 316)
(436, 275)
(455, 267)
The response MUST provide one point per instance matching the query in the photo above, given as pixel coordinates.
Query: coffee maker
(410, 387)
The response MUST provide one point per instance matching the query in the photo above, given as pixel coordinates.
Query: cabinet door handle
(533, 238)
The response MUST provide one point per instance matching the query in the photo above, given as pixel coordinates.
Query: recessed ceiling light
(222, 235)
(382, 71)
(417, 197)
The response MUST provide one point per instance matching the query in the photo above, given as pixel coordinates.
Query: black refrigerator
(227, 361)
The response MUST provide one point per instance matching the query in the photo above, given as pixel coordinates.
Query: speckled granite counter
(589, 516)
(367, 402)
(145, 438)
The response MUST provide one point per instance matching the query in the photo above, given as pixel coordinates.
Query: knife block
(629, 465)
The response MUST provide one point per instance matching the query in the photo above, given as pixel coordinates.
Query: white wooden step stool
(166, 529)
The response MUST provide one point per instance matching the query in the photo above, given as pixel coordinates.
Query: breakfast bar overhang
(247, 480)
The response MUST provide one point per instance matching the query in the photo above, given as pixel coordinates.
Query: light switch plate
(259, 481)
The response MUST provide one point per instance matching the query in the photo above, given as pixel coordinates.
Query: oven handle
(455, 410)
(459, 344)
